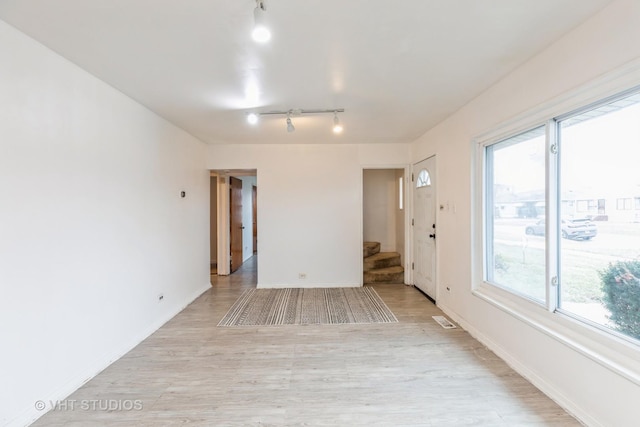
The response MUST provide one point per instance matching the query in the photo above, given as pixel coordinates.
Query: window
(583, 206)
(424, 179)
(515, 199)
(586, 206)
(624, 204)
(560, 188)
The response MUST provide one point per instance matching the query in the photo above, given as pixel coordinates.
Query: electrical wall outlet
(302, 275)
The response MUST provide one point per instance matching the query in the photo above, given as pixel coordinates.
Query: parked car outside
(536, 229)
(570, 228)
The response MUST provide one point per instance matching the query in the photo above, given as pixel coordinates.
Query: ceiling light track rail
(299, 112)
(252, 117)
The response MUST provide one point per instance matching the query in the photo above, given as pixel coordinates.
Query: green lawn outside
(523, 270)
(520, 269)
(521, 259)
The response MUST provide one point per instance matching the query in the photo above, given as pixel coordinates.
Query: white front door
(424, 226)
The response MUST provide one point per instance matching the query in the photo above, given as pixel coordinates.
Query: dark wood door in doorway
(254, 198)
(235, 221)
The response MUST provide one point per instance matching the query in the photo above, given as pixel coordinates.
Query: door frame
(223, 206)
(254, 217)
(438, 208)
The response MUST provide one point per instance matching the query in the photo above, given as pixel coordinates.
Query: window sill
(608, 350)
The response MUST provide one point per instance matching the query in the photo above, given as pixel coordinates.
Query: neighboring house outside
(616, 205)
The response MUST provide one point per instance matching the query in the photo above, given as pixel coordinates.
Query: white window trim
(611, 351)
(552, 225)
(486, 208)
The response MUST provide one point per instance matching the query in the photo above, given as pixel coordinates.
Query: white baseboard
(540, 383)
(30, 415)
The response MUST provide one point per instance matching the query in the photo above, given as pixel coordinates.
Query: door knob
(433, 236)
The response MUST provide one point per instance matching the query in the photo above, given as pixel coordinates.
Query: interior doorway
(234, 219)
(235, 223)
(384, 231)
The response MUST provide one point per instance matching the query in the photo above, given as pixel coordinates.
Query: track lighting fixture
(290, 127)
(253, 117)
(260, 32)
(337, 127)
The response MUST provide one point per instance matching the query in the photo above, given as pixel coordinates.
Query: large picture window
(600, 252)
(560, 223)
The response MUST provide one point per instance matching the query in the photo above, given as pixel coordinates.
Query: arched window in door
(424, 179)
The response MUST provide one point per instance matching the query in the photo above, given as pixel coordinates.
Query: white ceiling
(396, 67)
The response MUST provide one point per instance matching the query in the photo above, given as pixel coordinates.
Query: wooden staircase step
(385, 275)
(381, 260)
(381, 267)
(370, 248)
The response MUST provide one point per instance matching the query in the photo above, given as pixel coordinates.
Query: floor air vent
(442, 321)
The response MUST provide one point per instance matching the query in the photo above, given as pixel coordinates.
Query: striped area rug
(308, 306)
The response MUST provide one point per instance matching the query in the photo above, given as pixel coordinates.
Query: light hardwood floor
(411, 373)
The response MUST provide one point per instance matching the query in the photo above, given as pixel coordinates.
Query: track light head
(260, 32)
(337, 126)
(290, 127)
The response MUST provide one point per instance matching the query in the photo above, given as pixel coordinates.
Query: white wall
(92, 227)
(247, 216)
(576, 378)
(310, 207)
